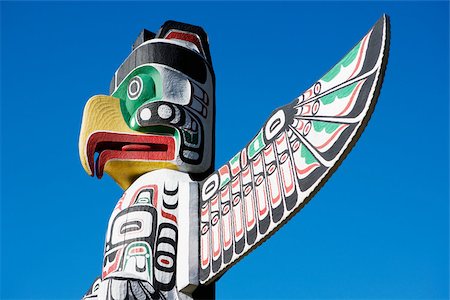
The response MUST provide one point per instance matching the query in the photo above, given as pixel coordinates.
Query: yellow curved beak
(102, 114)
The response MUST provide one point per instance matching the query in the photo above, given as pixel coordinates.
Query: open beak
(123, 153)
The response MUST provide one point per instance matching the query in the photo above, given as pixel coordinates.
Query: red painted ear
(185, 36)
(186, 32)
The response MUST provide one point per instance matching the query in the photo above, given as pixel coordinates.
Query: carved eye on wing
(292, 156)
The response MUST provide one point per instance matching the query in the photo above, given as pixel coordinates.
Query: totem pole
(179, 225)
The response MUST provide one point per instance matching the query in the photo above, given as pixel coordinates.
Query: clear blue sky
(378, 229)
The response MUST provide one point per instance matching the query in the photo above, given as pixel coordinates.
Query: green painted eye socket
(142, 85)
(140, 89)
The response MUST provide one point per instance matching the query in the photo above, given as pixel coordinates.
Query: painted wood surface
(179, 225)
(291, 157)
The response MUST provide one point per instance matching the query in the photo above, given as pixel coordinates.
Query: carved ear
(186, 32)
(144, 36)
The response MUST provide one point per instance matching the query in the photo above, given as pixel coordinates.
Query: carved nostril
(164, 112)
(145, 114)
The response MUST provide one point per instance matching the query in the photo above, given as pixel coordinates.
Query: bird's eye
(137, 90)
(135, 87)
(140, 88)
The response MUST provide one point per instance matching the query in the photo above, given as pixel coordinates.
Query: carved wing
(291, 157)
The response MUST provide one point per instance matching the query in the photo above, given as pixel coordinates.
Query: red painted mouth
(120, 146)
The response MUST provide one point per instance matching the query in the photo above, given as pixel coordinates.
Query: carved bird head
(160, 112)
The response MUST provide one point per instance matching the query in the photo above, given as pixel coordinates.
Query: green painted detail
(151, 91)
(235, 159)
(191, 137)
(157, 129)
(148, 93)
(339, 94)
(224, 182)
(144, 200)
(256, 145)
(328, 127)
(148, 257)
(347, 60)
(307, 155)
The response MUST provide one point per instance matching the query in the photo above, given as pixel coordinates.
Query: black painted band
(174, 56)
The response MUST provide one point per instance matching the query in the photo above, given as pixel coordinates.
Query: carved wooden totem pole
(178, 226)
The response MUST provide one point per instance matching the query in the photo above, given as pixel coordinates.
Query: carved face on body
(161, 110)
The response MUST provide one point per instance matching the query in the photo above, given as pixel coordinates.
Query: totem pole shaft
(154, 135)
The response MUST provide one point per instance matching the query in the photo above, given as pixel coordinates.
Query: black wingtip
(387, 28)
(387, 21)
(383, 21)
